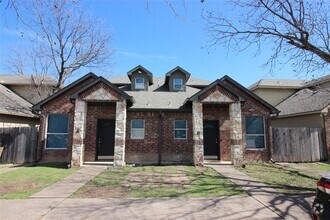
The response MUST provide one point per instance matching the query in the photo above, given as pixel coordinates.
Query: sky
(159, 41)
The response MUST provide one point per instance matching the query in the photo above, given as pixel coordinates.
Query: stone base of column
(199, 155)
(237, 155)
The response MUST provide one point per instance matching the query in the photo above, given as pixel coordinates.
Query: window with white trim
(180, 129)
(255, 132)
(177, 84)
(57, 131)
(139, 83)
(137, 129)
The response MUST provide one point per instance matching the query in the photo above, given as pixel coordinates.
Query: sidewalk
(285, 206)
(70, 184)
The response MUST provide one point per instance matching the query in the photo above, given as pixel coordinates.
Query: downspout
(160, 138)
(41, 130)
(325, 135)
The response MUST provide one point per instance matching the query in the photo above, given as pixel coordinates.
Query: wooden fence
(18, 145)
(298, 145)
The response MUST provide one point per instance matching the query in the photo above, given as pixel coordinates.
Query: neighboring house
(17, 94)
(308, 105)
(275, 91)
(139, 119)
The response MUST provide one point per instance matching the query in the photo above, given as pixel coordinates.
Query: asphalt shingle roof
(160, 80)
(278, 83)
(159, 97)
(26, 80)
(304, 101)
(13, 104)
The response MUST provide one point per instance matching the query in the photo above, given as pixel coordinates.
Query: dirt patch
(102, 192)
(156, 179)
(13, 187)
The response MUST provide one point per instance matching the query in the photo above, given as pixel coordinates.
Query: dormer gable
(176, 79)
(140, 78)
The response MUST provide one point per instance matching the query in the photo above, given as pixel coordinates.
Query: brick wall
(221, 114)
(95, 112)
(254, 108)
(327, 132)
(147, 151)
(59, 105)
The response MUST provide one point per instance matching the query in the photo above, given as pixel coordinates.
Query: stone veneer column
(197, 114)
(79, 126)
(236, 133)
(120, 131)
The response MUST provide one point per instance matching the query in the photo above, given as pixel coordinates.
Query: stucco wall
(273, 95)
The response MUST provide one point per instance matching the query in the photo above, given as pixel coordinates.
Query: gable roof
(278, 83)
(305, 101)
(269, 106)
(106, 82)
(37, 106)
(149, 74)
(220, 83)
(318, 81)
(178, 68)
(194, 82)
(26, 80)
(13, 104)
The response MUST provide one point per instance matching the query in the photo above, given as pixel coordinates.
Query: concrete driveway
(233, 207)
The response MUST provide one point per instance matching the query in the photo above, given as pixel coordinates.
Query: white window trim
(46, 132)
(175, 84)
(143, 85)
(133, 138)
(180, 129)
(264, 134)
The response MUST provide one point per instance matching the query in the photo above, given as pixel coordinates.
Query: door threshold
(217, 162)
(98, 163)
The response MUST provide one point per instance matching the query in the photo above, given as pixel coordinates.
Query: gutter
(160, 138)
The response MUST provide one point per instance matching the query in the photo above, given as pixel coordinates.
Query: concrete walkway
(70, 184)
(233, 207)
(285, 206)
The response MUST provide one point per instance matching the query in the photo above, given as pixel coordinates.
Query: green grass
(283, 179)
(202, 182)
(24, 182)
(317, 166)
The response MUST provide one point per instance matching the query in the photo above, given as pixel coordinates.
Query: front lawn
(158, 181)
(25, 181)
(283, 179)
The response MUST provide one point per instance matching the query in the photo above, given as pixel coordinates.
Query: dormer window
(177, 84)
(139, 83)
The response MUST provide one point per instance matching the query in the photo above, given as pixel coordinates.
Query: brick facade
(59, 105)
(327, 131)
(159, 143)
(102, 101)
(95, 112)
(220, 113)
(254, 108)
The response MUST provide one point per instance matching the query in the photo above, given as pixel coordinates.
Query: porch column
(79, 126)
(197, 113)
(120, 131)
(236, 133)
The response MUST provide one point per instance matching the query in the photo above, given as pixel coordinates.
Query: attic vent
(139, 72)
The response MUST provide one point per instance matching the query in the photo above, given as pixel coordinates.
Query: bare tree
(298, 30)
(64, 37)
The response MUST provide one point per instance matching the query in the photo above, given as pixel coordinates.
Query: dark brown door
(211, 139)
(105, 140)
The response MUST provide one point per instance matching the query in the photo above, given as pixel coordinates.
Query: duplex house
(141, 119)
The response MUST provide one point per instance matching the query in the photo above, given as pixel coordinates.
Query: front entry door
(211, 139)
(105, 139)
